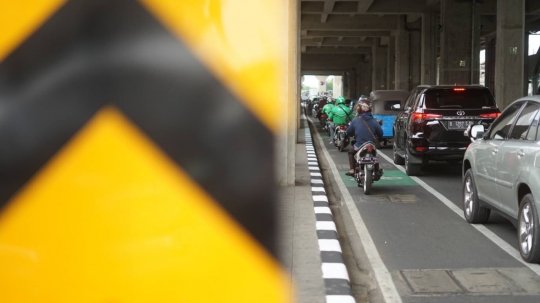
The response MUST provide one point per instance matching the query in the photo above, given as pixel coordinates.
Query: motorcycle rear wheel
(367, 180)
(341, 145)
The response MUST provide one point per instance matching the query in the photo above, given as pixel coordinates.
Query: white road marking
(316, 181)
(329, 245)
(340, 299)
(322, 210)
(382, 275)
(316, 174)
(313, 168)
(320, 199)
(326, 225)
(334, 271)
(509, 249)
(315, 188)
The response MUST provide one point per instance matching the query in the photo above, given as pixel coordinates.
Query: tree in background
(330, 84)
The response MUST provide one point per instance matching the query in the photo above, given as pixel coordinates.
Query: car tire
(397, 158)
(528, 230)
(473, 212)
(411, 169)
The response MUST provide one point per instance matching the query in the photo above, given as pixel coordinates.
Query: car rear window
(458, 98)
(392, 105)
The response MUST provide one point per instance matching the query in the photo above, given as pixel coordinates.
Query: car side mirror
(474, 131)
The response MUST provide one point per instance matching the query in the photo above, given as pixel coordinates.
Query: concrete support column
(380, 69)
(338, 87)
(428, 56)
(364, 76)
(415, 61)
(460, 43)
(489, 76)
(391, 63)
(402, 55)
(509, 53)
(353, 87)
(287, 136)
(345, 80)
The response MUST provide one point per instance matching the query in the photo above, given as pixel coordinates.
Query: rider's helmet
(363, 107)
(340, 100)
(363, 99)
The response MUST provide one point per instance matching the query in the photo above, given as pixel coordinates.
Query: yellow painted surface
(111, 219)
(241, 43)
(20, 18)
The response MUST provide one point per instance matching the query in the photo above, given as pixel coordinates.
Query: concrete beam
(413, 17)
(363, 6)
(350, 41)
(341, 50)
(327, 9)
(324, 33)
(365, 22)
(326, 61)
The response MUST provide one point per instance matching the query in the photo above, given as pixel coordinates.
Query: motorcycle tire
(341, 145)
(367, 180)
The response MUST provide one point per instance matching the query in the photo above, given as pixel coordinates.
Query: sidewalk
(298, 245)
(309, 246)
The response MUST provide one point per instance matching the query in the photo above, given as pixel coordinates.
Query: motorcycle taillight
(342, 127)
(369, 148)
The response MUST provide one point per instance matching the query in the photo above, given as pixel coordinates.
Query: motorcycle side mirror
(381, 122)
(474, 131)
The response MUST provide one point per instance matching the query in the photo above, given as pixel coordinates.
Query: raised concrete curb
(335, 275)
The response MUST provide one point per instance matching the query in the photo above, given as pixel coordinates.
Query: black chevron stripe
(94, 53)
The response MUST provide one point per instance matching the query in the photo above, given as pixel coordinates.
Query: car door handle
(520, 153)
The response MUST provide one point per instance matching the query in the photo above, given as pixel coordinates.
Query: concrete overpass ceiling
(351, 27)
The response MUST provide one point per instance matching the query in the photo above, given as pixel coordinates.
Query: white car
(501, 172)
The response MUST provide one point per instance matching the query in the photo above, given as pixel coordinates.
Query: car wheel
(472, 210)
(411, 169)
(528, 230)
(397, 159)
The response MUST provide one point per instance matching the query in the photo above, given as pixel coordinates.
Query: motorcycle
(367, 170)
(341, 140)
(323, 119)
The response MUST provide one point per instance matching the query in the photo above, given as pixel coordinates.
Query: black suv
(432, 122)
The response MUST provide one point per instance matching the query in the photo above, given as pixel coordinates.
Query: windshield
(462, 98)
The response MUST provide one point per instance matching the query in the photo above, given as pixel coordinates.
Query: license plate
(459, 124)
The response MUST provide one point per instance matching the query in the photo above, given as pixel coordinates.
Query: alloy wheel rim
(526, 225)
(467, 199)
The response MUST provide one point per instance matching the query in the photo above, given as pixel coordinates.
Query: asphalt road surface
(430, 252)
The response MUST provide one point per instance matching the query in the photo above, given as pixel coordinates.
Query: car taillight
(421, 116)
(459, 89)
(420, 148)
(490, 115)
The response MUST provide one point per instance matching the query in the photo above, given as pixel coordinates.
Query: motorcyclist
(322, 103)
(327, 109)
(358, 129)
(340, 114)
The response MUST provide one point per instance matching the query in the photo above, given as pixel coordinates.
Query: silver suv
(501, 172)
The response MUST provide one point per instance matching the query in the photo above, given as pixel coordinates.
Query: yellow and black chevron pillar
(137, 162)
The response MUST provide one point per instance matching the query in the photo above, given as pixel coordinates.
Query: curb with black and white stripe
(336, 278)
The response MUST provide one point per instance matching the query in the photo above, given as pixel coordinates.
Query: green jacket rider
(327, 109)
(341, 113)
